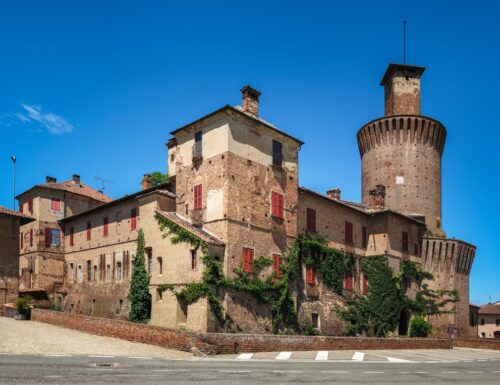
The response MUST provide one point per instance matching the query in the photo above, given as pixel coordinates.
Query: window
(310, 275)
(483, 335)
(30, 205)
(498, 322)
(108, 273)
(89, 270)
(348, 280)
(118, 270)
(404, 239)
(96, 273)
(247, 260)
(364, 238)
(315, 320)
(105, 227)
(79, 276)
(21, 240)
(47, 237)
(159, 294)
(71, 273)
(416, 249)
(55, 237)
(150, 261)
(31, 237)
(348, 233)
(197, 197)
(55, 204)
(482, 321)
(364, 285)
(133, 219)
(277, 153)
(277, 260)
(198, 136)
(160, 265)
(71, 236)
(194, 260)
(311, 220)
(277, 205)
(89, 231)
(21, 207)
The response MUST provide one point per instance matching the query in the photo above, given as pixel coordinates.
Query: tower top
(402, 89)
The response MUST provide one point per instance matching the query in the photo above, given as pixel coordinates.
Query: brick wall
(218, 343)
(476, 344)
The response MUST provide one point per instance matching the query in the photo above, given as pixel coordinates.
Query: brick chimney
(402, 89)
(76, 179)
(146, 182)
(334, 194)
(50, 179)
(377, 197)
(250, 100)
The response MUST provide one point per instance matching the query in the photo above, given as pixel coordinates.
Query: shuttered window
(133, 219)
(197, 197)
(31, 237)
(364, 285)
(277, 265)
(55, 204)
(47, 237)
(277, 205)
(247, 260)
(21, 245)
(348, 281)
(310, 275)
(348, 233)
(89, 231)
(30, 205)
(404, 239)
(105, 226)
(364, 238)
(20, 207)
(71, 236)
(311, 220)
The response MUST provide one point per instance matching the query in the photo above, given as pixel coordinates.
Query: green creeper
(140, 299)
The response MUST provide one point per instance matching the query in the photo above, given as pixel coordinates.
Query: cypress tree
(140, 299)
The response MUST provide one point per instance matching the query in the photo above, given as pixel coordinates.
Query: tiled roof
(6, 211)
(490, 308)
(203, 235)
(78, 188)
(167, 193)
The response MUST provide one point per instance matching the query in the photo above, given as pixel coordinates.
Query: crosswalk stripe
(358, 356)
(245, 356)
(283, 356)
(322, 356)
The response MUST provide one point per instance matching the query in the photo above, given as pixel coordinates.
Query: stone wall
(9, 258)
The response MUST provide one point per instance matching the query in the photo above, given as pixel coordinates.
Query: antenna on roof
(103, 181)
(404, 41)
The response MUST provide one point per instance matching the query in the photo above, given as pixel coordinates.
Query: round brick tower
(402, 151)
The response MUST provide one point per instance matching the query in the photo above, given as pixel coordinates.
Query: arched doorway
(496, 335)
(404, 320)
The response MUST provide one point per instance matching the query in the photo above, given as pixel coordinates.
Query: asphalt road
(54, 370)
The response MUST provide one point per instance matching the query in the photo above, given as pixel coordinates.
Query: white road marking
(245, 356)
(288, 371)
(235, 371)
(405, 372)
(449, 372)
(170, 370)
(283, 356)
(141, 358)
(322, 356)
(100, 356)
(371, 372)
(392, 359)
(56, 355)
(335, 371)
(475, 371)
(358, 356)
(420, 372)
(495, 371)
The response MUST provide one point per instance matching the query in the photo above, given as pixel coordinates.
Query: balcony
(197, 151)
(197, 217)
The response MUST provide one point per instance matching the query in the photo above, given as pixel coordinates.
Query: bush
(419, 327)
(22, 305)
(140, 299)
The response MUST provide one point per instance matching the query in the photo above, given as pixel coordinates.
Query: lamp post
(13, 158)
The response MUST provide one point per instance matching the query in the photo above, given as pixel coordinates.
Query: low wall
(217, 343)
(476, 344)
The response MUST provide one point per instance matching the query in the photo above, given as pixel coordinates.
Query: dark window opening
(277, 153)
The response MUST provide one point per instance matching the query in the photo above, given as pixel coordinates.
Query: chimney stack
(146, 182)
(250, 100)
(377, 197)
(76, 179)
(334, 194)
(50, 179)
(402, 89)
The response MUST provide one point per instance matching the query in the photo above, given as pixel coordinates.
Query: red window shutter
(310, 275)
(404, 237)
(56, 204)
(364, 285)
(105, 227)
(280, 206)
(364, 237)
(47, 237)
(311, 220)
(277, 265)
(348, 281)
(133, 219)
(89, 231)
(30, 205)
(277, 203)
(247, 260)
(20, 207)
(348, 232)
(198, 197)
(21, 245)
(31, 237)
(71, 236)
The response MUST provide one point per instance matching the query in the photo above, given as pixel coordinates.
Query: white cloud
(55, 124)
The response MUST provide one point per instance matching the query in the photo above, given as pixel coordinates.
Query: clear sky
(95, 87)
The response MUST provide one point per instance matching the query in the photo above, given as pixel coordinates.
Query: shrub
(22, 305)
(419, 327)
(140, 299)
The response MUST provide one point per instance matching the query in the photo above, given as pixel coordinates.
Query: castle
(233, 183)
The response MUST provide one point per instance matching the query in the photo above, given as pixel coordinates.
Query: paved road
(55, 370)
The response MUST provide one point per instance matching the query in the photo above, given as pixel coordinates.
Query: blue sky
(95, 87)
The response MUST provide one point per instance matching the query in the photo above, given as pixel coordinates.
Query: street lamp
(13, 158)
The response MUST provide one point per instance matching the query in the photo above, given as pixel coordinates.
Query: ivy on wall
(140, 299)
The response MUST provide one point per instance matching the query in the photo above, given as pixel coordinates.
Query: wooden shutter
(311, 220)
(71, 236)
(21, 240)
(310, 275)
(364, 283)
(277, 265)
(31, 237)
(364, 235)
(348, 280)
(105, 227)
(47, 237)
(247, 260)
(89, 231)
(56, 204)
(280, 206)
(30, 205)
(198, 197)
(404, 237)
(20, 207)
(133, 219)
(277, 203)
(348, 232)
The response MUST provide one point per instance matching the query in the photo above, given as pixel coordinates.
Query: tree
(140, 299)
(158, 178)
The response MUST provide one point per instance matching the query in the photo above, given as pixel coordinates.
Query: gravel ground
(29, 337)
